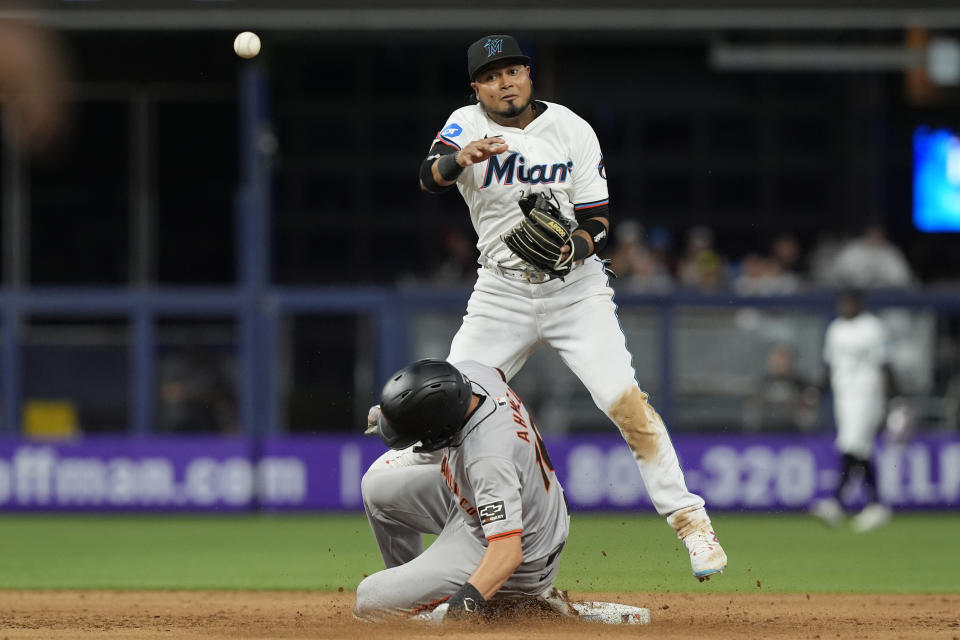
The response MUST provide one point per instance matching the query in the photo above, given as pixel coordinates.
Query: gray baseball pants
(404, 496)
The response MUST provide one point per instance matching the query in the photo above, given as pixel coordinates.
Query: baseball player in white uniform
(506, 146)
(508, 521)
(856, 353)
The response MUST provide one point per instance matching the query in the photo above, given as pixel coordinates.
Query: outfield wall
(772, 472)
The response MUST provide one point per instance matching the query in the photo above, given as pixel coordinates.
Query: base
(611, 613)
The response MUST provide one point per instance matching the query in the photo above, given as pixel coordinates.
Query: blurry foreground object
(33, 83)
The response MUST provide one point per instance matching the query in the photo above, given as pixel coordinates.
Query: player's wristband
(596, 230)
(466, 600)
(448, 168)
(580, 247)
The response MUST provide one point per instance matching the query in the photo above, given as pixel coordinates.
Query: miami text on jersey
(455, 488)
(515, 166)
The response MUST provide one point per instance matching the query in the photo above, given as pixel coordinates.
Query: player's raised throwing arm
(443, 166)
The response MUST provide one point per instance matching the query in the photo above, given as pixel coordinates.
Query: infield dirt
(311, 614)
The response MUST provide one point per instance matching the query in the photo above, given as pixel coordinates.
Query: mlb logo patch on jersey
(492, 512)
(452, 130)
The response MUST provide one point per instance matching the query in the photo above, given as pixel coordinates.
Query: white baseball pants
(858, 417)
(507, 320)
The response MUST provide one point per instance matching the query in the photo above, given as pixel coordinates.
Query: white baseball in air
(247, 44)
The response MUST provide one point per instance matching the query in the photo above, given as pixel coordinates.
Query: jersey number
(543, 458)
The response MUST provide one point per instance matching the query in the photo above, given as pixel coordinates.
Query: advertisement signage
(736, 472)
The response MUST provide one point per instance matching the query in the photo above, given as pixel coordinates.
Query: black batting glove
(466, 602)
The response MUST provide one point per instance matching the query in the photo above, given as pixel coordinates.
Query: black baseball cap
(490, 49)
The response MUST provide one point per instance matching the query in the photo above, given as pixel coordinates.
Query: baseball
(247, 44)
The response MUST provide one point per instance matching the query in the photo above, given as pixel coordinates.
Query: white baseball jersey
(856, 350)
(500, 473)
(557, 153)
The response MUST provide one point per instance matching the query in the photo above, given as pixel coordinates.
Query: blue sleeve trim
(591, 205)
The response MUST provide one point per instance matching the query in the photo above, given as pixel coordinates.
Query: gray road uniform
(500, 480)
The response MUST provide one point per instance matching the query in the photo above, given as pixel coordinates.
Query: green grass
(916, 553)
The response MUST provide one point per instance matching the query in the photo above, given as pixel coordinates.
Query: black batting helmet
(424, 402)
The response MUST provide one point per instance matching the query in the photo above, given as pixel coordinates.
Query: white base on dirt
(602, 612)
(611, 613)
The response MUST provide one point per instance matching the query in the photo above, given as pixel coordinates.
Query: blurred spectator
(785, 252)
(196, 392)
(784, 400)
(702, 267)
(637, 266)
(459, 264)
(822, 257)
(870, 261)
(761, 276)
(33, 83)
(660, 242)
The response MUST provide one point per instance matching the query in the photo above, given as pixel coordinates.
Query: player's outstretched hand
(479, 150)
(373, 417)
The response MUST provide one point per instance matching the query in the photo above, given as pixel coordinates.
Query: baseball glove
(537, 240)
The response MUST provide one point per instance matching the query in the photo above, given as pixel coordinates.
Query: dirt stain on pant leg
(646, 435)
(639, 424)
(686, 521)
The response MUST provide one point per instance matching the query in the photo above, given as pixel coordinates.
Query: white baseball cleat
(558, 601)
(706, 555)
(873, 516)
(828, 510)
(435, 616)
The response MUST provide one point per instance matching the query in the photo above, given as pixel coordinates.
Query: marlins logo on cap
(493, 49)
(493, 46)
